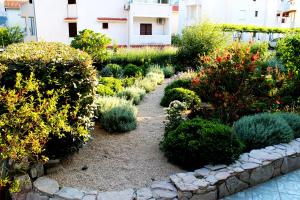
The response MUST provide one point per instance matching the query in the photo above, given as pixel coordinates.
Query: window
(71, 1)
(145, 29)
(104, 25)
(30, 1)
(256, 13)
(72, 29)
(283, 20)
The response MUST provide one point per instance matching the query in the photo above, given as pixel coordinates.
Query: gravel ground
(122, 161)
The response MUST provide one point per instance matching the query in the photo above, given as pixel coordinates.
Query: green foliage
(142, 56)
(260, 47)
(147, 84)
(28, 120)
(104, 90)
(176, 40)
(180, 83)
(288, 50)
(116, 114)
(94, 44)
(112, 70)
(174, 115)
(184, 95)
(155, 74)
(197, 41)
(128, 82)
(112, 83)
(293, 121)
(169, 71)
(133, 94)
(261, 130)
(131, 70)
(10, 35)
(199, 142)
(56, 67)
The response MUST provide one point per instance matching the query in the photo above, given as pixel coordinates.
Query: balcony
(27, 10)
(151, 8)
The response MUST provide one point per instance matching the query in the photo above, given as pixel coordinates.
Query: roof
(111, 19)
(14, 4)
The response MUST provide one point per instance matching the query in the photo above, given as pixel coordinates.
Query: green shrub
(134, 94)
(131, 70)
(94, 44)
(180, 83)
(116, 114)
(176, 40)
(128, 82)
(260, 47)
(169, 71)
(114, 84)
(112, 70)
(56, 66)
(104, 90)
(293, 121)
(10, 35)
(174, 115)
(197, 41)
(155, 77)
(184, 95)
(261, 130)
(142, 56)
(147, 84)
(199, 142)
(288, 50)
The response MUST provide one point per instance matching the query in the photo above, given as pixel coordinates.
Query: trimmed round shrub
(104, 90)
(184, 95)
(114, 84)
(199, 142)
(116, 114)
(169, 71)
(112, 70)
(293, 121)
(261, 130)
(131, 70)
(134, 94)
(147, 84)
(57, 67)
(180, 83)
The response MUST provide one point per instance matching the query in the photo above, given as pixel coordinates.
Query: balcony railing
(150, 1)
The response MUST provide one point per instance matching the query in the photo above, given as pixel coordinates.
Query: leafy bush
(184, 95)
(134, 94)
(104, 90)
(114, 84)
(128, 82)
(56, 67)
(261, 130)
(293, 121)
(169, 71)
(112, 70)
(147, 84)
(131, 70)
(176, 40)
(142, 56)
(94, 44)
(234, 83)
(260, 47)
(288, 50)
(28, 118)
(116, 114)
(199, 142)
(199, 40)
(180, 83)
(10, 35)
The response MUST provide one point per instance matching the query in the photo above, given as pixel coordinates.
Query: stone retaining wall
(208, 183)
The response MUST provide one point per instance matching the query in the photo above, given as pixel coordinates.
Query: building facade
(13, 13)
(288, 15)
(247, 12)
(127, 23)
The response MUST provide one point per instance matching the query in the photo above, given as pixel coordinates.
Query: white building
(13, 13)
(288, 15)
(128, 23)
(247, 12)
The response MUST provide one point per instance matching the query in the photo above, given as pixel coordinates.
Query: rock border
(207, 183)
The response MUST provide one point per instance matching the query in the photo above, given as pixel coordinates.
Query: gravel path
(117, 162)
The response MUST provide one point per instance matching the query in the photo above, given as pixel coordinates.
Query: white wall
(175, 22)
(14, 18)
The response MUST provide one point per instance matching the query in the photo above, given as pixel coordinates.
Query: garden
(104, 118)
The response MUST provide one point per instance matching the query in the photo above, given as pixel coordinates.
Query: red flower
(219, 59)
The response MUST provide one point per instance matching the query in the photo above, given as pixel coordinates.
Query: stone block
(261, 174)
(69, 193)
(46, 186)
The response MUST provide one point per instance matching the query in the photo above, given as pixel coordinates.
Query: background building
(13, 13)
(133, 23)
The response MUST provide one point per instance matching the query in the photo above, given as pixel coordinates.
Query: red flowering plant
(235, 84)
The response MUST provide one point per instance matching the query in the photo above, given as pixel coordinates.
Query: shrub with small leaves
(134, 94)
(131, 70)
(112, 70)
(128, 82)
(199, 142)
(261, 130)
(169, 71)
(110, 82)
(116, 114)
(184, 95)
(293, 120)
(104, 90)
(174, 115)
(155, 77)
(147, 84)
(180, 83)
